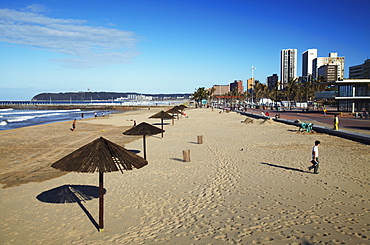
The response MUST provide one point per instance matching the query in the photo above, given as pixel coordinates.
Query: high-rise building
(360, 71)
(288, 66)
(307, 57)
(221, 89)
(272, 81)
(329, 73)
(333, 59)
(238, 84)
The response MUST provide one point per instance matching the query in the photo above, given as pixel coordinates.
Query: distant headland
(97, 100)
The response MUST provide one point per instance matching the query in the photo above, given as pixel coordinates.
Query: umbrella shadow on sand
(284, 167)
(177, 159)
(161, 123)
(135, 151)
(72, 194)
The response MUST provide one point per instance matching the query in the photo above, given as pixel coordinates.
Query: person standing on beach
(73, 125)
(315, 158)
(336, 122)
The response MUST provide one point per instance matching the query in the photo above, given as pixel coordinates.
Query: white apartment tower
(288, 66)
(307, 57)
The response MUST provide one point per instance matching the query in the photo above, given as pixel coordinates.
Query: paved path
(357, 129)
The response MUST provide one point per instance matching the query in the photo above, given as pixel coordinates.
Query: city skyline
(166, 46)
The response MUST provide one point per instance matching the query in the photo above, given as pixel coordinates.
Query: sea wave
(3, 123)
(20, 119)
(38, 112)
(1, 110)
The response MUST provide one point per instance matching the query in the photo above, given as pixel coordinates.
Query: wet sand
(247, 183)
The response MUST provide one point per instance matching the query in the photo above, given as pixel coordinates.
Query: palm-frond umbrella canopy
(180, 107)
(174, 111)
(143, 129)
(101, 156)
(162, 115)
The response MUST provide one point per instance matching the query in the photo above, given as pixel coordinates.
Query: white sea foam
(1, 110)
(38, 112)
(20, 119)
(3, 123)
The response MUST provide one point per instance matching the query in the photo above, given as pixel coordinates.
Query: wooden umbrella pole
(101, 202)
(162, 126)
(144, 145)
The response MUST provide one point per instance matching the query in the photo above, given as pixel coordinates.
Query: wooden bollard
(186, 155)
(200, 139)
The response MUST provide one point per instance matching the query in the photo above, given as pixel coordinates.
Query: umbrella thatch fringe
(143, 129)
(173, 111)
(100, 155)
(163, 115)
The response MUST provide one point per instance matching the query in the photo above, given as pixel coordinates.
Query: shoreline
(33, 149)
(247, 183)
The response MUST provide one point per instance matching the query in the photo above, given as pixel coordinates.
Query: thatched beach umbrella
(100, 156)
(143, 129)
(174, 111)
(180, 107)
(162, 115)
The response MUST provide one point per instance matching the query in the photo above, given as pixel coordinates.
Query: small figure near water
(73, 125)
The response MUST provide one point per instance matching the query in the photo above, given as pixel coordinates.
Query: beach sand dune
(247, 183)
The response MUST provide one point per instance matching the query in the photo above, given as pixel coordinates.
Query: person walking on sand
(315, 158)
(324, 111)
(73, 125)
(336, 122)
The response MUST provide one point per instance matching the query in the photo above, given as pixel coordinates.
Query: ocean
(16, 118)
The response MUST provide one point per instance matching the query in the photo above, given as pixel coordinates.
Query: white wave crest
(1, 110)
(20, 119)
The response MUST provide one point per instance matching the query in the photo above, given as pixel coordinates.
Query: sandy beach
(248, 183)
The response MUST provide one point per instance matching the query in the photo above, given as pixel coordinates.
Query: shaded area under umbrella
(101, 156)
(72, 194)
(143, 129)
(162, 115)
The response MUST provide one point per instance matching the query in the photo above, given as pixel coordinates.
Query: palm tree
(211, 94)
(260, 90)
(291, 90)
(200, 94)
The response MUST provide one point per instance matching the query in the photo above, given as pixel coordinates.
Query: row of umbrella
(102, 155)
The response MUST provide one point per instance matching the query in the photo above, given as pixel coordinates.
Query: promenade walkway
(356, 129)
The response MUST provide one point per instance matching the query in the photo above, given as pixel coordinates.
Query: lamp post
(252, 68)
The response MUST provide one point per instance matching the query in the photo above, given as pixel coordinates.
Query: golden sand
(248, 183)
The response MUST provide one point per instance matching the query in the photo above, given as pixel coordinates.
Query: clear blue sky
(166, 46)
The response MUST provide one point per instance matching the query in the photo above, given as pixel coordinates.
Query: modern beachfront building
(353, 95)
(288, 66)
